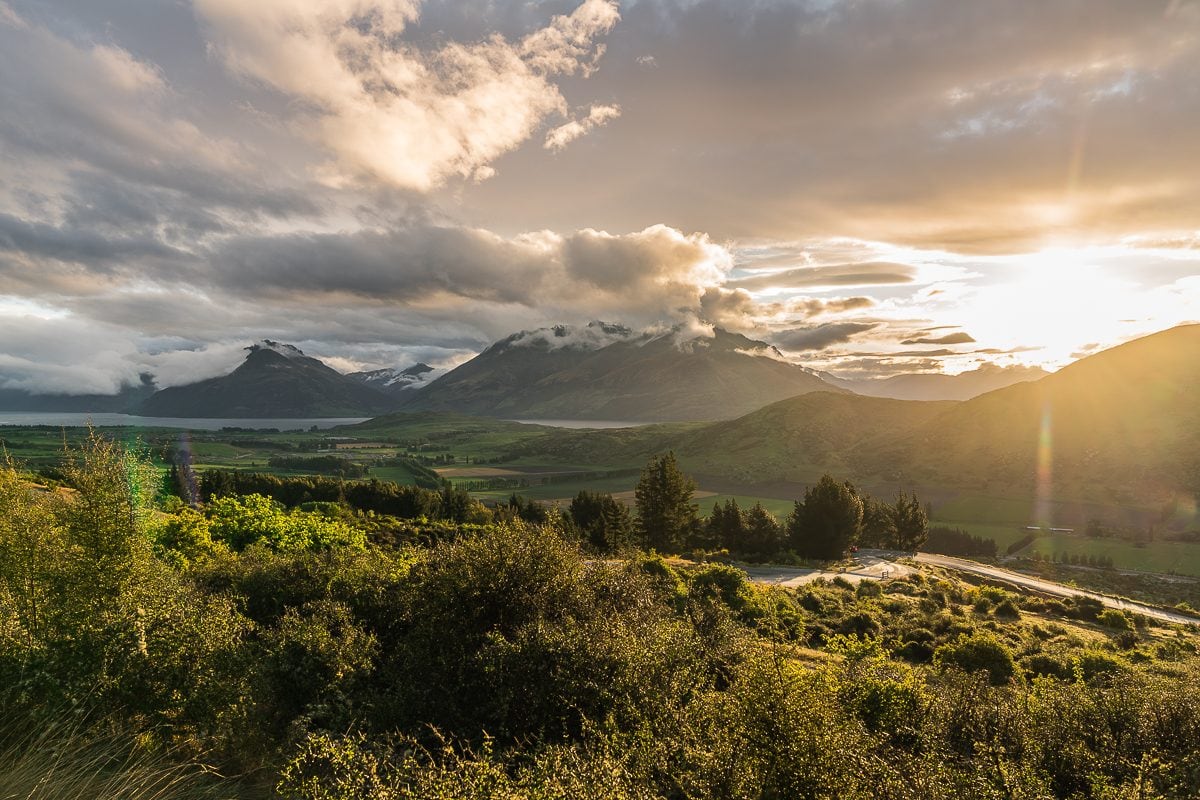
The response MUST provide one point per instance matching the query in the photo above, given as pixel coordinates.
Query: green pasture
(1179, 557)
(780, 508)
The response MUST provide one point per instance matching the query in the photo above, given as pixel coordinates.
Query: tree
(827, 522)
(30, 546)
(666, 513)
(878, 525)
(604, 523)
(764, 534)
(910, 521)
(726, 527)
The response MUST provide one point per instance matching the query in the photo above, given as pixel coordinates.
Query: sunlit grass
(65, 761)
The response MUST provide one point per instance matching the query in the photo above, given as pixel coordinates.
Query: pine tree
(910, 522)
(603, 521)
(827, 522)
(879, 524)
(666, 515)
(764, 534)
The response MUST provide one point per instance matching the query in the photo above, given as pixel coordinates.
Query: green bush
(978, 653)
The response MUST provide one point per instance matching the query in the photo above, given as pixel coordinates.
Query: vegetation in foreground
(310, 656)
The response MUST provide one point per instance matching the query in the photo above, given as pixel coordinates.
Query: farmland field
(1166, 557)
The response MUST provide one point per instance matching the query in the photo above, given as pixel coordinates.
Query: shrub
(1042, 664)
(978, 653)
(1117, 620)
(1007, 609)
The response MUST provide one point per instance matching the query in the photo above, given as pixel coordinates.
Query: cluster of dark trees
(381, 497)
(321, 465)
(1082, 560)
(832, 517)
(957, 542)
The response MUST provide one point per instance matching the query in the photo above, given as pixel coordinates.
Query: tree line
(833, 517)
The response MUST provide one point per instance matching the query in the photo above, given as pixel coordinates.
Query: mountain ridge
(609, 372)
(274, 380)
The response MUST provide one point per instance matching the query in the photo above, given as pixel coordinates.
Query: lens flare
(187, 476)
(1045, 456)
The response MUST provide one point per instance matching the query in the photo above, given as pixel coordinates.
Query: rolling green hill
(1122, 431)
(1126, 420)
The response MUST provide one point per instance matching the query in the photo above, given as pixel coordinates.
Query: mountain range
(940, 386)
(1121, 427)
(607, 372)
(396, 381)
(600, 371)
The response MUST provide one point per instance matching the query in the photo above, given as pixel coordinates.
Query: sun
(1051, 305)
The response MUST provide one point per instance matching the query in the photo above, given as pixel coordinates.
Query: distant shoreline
(68, 419)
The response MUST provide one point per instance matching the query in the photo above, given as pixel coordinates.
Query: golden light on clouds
(410, 180)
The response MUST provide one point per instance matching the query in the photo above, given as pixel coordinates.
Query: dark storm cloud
(397, 264)
(73, 244)
(819, 337)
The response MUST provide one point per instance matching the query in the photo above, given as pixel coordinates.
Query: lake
(72, 420)
(582, 423)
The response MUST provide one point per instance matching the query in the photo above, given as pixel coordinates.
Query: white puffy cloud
(391, 110)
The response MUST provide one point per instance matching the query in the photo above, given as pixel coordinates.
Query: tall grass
(62, 761)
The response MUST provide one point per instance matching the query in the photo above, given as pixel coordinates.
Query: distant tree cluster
(1083, 560)
(322, 465)
(957, 542)
(832, 517)
(380, 497)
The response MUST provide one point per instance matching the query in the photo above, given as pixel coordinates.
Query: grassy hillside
(1121, 425)
(148, 648)
(802, 437)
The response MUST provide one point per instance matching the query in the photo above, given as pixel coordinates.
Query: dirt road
(1050, 587)
(868, 567)
(880, 565)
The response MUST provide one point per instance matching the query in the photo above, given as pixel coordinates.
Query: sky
(872, 186)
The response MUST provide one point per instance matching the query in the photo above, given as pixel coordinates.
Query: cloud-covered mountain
(396, 381)
(274, 380)
(608, 372)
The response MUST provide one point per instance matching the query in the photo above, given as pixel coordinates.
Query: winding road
(879, 565)
(1058, 589)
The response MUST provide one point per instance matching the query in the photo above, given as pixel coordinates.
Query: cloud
(787, 121)
(560, 137)
(819, 337)
(960, 337)
(815, 307)
(864, 274)
(657, 273)
(392, 111)
(592, 336)
(44, 355)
